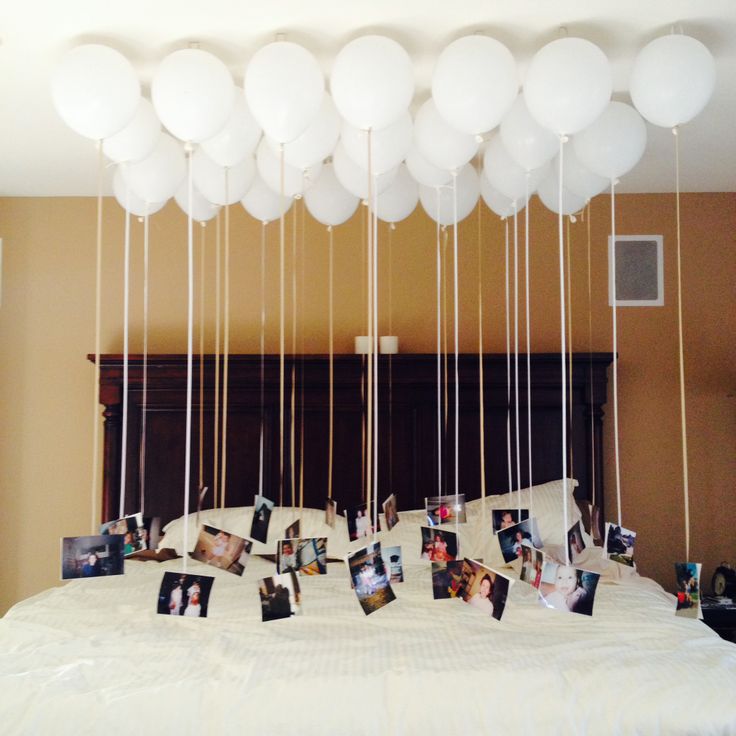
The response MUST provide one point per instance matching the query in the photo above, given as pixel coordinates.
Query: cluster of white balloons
(283, 135)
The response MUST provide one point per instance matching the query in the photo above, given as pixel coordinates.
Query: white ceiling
(39, 156)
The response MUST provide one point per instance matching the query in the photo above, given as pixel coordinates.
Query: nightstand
(721, 617)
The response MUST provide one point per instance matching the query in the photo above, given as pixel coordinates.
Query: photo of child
(91, 557)
(286, 560)
(184, 595)
(575, 543)
(567, 588)
(514, 537)
(293, 531)
(370, 578)
(280, 597)
(134, 533)
(438, 545)
(222, 549)
(619, 544)
(445, 509)
(505, 518)
(484, 589)
(390, 514)
(359, 521)
(531, 566)
(447, 578)
(688, 589)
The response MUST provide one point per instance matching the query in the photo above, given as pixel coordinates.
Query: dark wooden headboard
(409, 469)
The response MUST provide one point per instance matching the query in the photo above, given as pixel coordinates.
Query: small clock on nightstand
(719, 611)
(724, 581)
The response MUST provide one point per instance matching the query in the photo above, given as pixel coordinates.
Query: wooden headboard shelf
(409, 469)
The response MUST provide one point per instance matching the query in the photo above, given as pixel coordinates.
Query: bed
(93, 655)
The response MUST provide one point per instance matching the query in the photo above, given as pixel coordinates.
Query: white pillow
(547, 503)
(238, 521)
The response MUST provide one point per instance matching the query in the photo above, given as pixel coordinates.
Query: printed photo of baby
(513, 538)
(438, 545)
(567, 588)
(505, 518)
(484, 589)
(222, 549)
(619, 544)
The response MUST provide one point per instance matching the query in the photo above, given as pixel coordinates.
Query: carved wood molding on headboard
(410, 469)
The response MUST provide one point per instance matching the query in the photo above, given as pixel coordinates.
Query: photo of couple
(184, 595)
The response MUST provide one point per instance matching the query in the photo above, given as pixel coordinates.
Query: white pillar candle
(389, 344)
(362, 345)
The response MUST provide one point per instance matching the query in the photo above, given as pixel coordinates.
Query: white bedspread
(94, 657)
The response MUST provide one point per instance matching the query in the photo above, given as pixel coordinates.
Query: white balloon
(221, 185)
(614, 143)
(137, 139)
(527, 142)
(400, 199)
(193, 94)
(468, 191)
(237, 139)
(284, 86)
(264, 204)
(328, 201)
(354, 178)
(317, 142)
(295, 180)
(129, 200)
(672, 80)
(158, 176)
(95, 90)
(372, 82)
(499, 203)
(474, 83)
(440, 143)
(548, 192)
(505, 174)
(576, 178)
(425, 172)
(201, 209)
(568, 84)
(389, 145)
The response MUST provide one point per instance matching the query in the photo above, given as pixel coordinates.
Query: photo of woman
(482, 599)
(484, 589)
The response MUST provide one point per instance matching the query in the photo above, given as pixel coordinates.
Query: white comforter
(94, 657)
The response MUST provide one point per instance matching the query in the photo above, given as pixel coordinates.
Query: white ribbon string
(563, 348)
(481, 377)
(282, 238)
(615, 351)
(332, 361)
(216, 428)
(94, 526)
(683, 421)
(144, 407)
(590, 370)
(530, 483)
(126, 332)
(439, 349)
(226, 350)
(190, 329)
(371, 327)
(202, 282)
(263, 353)
(457, 349)
(508, 363)
(516, 351)
(375, 360)
(292, 402)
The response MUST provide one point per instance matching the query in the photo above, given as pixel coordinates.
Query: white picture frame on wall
(639, 271)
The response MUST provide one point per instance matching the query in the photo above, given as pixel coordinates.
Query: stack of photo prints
(374, 569)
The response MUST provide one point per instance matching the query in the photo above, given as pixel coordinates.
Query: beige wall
(47, 328)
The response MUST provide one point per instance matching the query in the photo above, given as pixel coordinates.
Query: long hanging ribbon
(369, 418)
(190, 320)
(216, 443)
(516, 350)
(94, 526)
(303, 251)
(508, 363)
(332, 360)
(292, 403)
(615, 351)
(201, 354)
(481, 380)
(226, 351)
(446, 368)
(439, 349)
(528, 345)
(144, 407)
(569, 347)
(375, 361)
(263, 354)
(456, 323)
(363, 370)
(126, 332)
(590, 367)
(563, 378)
(683, 422)
(391, 229)
(281, 327)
